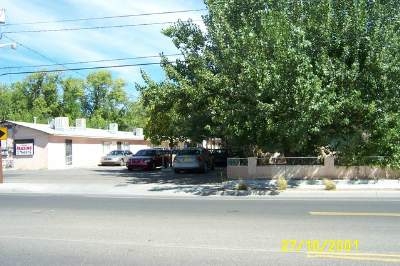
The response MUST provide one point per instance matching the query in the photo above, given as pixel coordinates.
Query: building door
(68, 151)
(119, 145)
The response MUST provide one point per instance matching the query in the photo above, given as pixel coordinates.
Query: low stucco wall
(237, 171)
(290, 171)
(328, 170)
(365, 172)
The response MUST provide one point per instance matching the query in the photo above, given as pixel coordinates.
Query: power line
(107, 17)
(93, 27)
(36, 52)
(81, 68)
(92, 61)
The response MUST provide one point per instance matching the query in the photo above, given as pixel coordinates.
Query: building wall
(39, 160)
(86, 152)
(56, 154)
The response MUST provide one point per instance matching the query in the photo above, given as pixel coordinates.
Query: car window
(146, 153)
(116, 153)
(188, 152)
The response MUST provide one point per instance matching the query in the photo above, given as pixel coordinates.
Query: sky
(60, 47)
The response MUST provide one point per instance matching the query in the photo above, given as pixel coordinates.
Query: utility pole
(3, 130)
(3, 136)
(2, 21)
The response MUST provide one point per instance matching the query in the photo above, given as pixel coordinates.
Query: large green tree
(290, 76)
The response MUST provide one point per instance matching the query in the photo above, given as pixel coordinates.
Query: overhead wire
(37, 52)
(94, 27)
(92, 61)
(106, 17)
(86, 28)
(83, 68)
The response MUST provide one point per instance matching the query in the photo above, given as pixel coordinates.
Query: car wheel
(130, 168)
(153, 166)
(176, 171)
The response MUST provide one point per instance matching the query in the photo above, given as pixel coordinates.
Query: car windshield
(189, 152)
(116, 153)
(146, 153)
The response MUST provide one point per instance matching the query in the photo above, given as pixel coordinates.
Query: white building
(57, 145)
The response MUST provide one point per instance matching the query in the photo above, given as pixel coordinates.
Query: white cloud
(86, 45)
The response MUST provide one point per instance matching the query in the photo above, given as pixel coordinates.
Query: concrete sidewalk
(174, 190)
(118, 181)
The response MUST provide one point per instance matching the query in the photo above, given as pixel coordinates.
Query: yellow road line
(359, 258)
(386, 214)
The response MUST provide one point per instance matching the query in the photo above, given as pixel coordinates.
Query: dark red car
(149, 159)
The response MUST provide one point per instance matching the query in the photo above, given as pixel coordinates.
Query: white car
(116, 157)
(193, 159)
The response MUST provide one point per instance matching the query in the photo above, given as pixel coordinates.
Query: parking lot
(115, 180)
(114, 175)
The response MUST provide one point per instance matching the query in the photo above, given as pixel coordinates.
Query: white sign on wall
(24, 149)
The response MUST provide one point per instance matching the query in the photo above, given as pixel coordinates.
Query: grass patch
(281, 183)
(241, 186)
(329, 184)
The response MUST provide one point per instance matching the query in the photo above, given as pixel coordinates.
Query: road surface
(88, 230)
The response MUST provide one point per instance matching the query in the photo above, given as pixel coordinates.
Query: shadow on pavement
(166, 176)
(203, 184)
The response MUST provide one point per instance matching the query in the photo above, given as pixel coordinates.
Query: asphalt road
(83, 230)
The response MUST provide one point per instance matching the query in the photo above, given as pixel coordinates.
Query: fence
(290, 161)
(300, 167)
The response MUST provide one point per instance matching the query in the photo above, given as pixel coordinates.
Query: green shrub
(241, 186)
(281, 183)
(329, 184)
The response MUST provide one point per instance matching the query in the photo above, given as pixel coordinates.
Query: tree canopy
(99, 98)
(287, 76)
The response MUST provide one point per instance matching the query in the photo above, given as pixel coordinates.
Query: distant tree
(41, 91)
(100, 99)
(72, 97)
(105, 100)
(6, 111)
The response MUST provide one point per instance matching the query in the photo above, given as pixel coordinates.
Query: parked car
(193, 159)
(116, 157)
(148, 159)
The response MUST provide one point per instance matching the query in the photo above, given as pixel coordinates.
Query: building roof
(80, 132)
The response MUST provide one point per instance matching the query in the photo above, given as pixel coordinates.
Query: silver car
(116, 157)
(193, 159)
